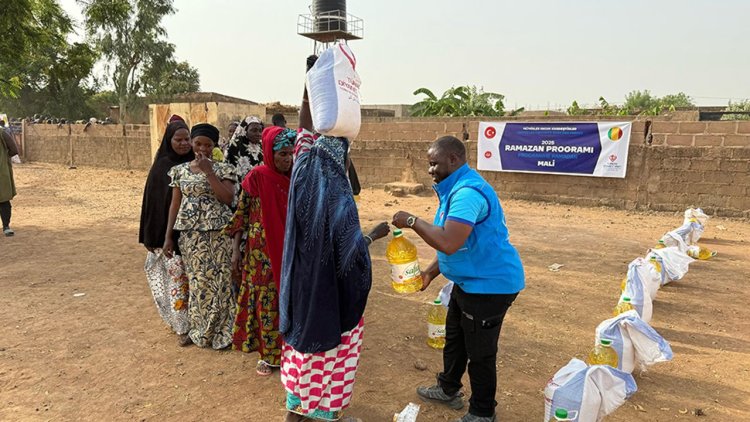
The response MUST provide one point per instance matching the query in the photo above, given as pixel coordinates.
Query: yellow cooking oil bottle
(660, 245)
(436, 324)
(603, 354)
(402, 255)
(655, 262)
(700, 252)
(623, 306)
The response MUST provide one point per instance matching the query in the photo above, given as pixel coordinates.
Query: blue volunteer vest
(487, 263)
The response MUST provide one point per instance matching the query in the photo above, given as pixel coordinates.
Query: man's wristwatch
(410, 221)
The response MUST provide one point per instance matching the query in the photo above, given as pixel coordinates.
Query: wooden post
(70, 145)
(23, 139)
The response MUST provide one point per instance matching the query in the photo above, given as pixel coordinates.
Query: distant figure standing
(224, 141)
(8, 149)
(279, 120)
(244, 150)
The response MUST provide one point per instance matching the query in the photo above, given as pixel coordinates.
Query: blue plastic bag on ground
(635, 342)
(591, 391)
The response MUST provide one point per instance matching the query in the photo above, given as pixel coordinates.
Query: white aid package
(642, 284)
(697, 220)
(696, 213)
(674, 263)
(676, 238)
(590, 392)
(689, 233)
(445, 293)
(333, 90)
(635, 342)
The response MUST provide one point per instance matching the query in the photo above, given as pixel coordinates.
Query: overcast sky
(539, 54)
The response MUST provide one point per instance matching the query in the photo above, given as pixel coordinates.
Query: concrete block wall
(688, 163)
(112, 146)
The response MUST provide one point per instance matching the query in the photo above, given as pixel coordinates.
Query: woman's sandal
(263, 369)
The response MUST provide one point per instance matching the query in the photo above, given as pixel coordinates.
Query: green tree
(461, 101)
(53, 76)
(677, 100)
(641, 100)
(132, 40)
(28, 26)
(743, 105)
(576, 110)
(636, 102)
(162, 83)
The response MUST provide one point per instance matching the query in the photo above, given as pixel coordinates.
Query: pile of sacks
(590, 392)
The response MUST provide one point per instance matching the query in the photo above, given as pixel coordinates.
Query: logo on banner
(612, 166)
(488, 154)
(615, 134)
(490, 133)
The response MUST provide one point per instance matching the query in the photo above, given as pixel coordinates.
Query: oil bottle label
(400, 273)
(435, 331)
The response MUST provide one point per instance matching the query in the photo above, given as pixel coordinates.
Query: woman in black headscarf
(166, 276)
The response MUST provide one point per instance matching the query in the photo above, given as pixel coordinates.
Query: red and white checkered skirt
(323, 381)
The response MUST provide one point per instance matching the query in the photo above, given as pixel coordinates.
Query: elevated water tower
(328, 23)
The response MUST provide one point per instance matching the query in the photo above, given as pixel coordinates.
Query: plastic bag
(642, 284)
(409, 414)
(674, 263)
(333, 88)
(169, 287)
(445, 294)
(696, 213)
(676, 239)
(634, 341)
(593, 392)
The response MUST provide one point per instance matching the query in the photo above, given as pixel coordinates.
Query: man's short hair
(451, 145)
(278, 119)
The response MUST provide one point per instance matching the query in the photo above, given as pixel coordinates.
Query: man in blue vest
(473, 251)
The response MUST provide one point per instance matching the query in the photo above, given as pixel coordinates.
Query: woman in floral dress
(244, 151)
(201, 193)
(261, 217)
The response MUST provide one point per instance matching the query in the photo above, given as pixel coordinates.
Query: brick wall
(688, 163)
(111, 146)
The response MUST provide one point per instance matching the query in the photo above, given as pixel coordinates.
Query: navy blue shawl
(326, 271)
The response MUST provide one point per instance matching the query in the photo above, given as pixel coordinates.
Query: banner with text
(598, 149)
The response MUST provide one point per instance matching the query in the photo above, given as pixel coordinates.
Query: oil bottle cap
(661, 242)
(437, 301)
(626, 299)
(561, 413)
(397, 233)
(605, 342)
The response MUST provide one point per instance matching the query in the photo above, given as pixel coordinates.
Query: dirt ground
(107, 355)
